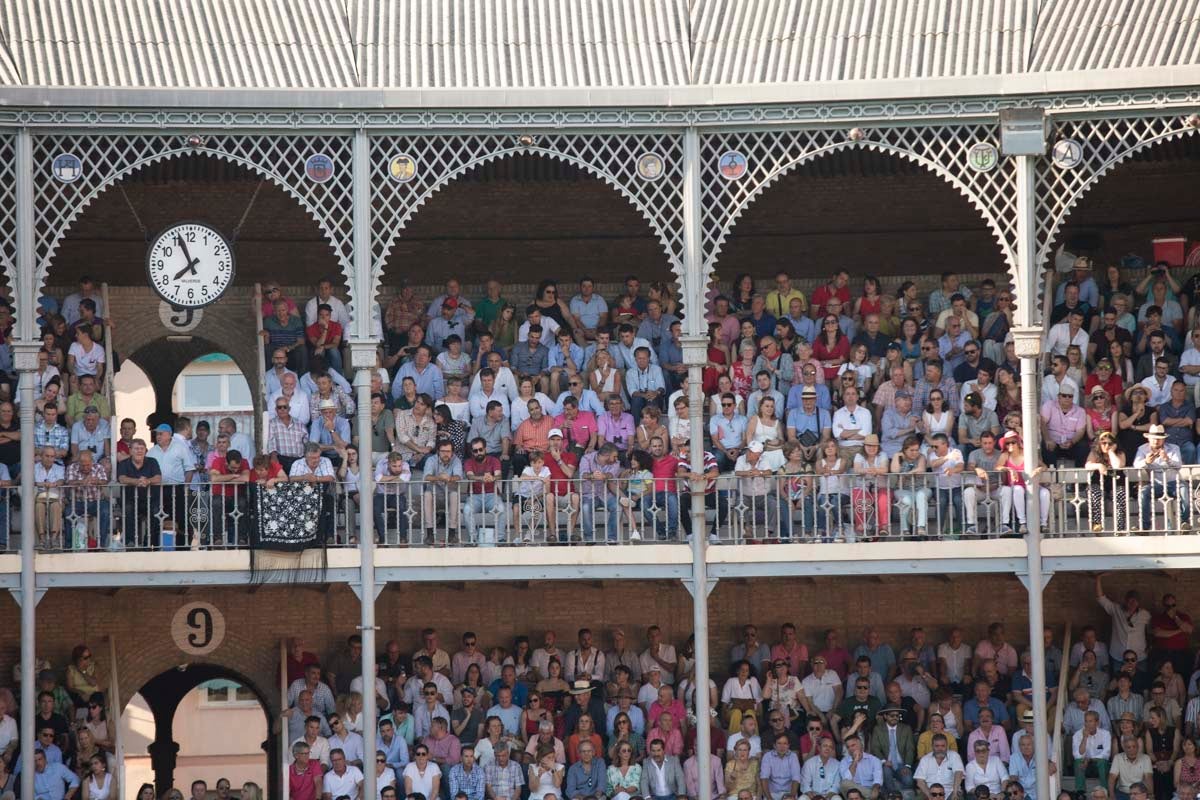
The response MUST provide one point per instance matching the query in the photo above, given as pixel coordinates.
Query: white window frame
(231, 700)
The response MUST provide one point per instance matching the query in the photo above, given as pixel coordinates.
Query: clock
(190, 264)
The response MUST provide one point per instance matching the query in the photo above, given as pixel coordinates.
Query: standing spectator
(1129, 625)
(1172, 630)
(1178, 416)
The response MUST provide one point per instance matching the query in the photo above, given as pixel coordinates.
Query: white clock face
(190, 264)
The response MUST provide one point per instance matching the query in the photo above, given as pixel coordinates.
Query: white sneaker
(634, 536)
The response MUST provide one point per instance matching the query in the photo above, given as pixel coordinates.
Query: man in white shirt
(1091, 743)
(1066, 333)
(297, 399)
(851, 424)
(586, 661)
(823, 688)
(325, 297)
(541, 656)
(487, 391)
(942, 766)
(342, 778)
(1058, 378)
(659, 654)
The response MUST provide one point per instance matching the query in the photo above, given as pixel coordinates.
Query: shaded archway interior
(524, 218)
(164, 359)
(1153, 194)
(278, 241)
(865, 211)
(163, 694)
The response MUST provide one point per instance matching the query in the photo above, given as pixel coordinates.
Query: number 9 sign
(198, 628)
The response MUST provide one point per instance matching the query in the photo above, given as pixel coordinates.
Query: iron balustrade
(798, 508)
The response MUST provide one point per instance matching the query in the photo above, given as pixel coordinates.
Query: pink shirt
(1063, 427)
(794, 658)
(580, 430)
(1005, 657)
(691, 776)
(672, 740)
(657, 708)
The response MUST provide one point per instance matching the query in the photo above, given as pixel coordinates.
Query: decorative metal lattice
(107, 159)
(771, 154)
(8, 207)
(436, 161)
(1104, 145)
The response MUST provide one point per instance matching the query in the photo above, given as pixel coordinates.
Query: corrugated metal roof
(1114, 34)
(419, 44)
(180, 43)
(526, 44)
(773, 41)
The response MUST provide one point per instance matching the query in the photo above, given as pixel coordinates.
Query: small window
(221, 693)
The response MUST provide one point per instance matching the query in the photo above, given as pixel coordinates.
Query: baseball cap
(450, 302)
(554, 432)
(755, 447)
(164, 428)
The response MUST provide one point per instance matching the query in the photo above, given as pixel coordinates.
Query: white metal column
(25, 356)
(695, 350)
(1027, 339)
(362, 357)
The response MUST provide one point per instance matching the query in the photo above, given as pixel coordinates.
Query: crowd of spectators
(858, 410)
(613, 721)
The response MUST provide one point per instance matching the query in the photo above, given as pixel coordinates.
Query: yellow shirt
(925, 744)
(777, 304)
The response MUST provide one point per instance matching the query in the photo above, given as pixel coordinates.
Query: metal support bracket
(691, 587)
(17, 593)
(356, 587)
(1023, 577)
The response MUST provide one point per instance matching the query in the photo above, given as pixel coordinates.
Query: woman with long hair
(832, 347)
(505, 326)
(741, 294)
(1133, 424)
(1104, 465)
(99, 783)
(717, 363)
(624, 773)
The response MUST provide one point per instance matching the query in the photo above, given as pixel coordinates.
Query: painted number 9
(198, 628)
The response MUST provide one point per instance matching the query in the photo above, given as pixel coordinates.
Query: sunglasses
(430, 694)
(422, 752)
(477, 453)
(381, 761)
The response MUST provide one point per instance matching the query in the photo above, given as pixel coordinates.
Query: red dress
(743, 378)
(717, 356)
(839, 353)
(869, 306)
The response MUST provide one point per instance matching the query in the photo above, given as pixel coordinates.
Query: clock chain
(238, 228)
(132, 210)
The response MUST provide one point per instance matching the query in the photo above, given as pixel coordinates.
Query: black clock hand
(191, 262)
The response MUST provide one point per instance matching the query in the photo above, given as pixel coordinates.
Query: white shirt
(8, 732)
(1158, 394)
(505, 382)
(422, 784)
(385, 779)
(986, 393)
(1099, 744)
(347, 783)
(844, 419)
(87, 362)
(1128, 631)
(478, 402)
(992, 776)
(175, 462)
(667, 653)
(1050, 386)
(821, 690)
(578, 665)
(931, 772)
(956, 659)
(340, 315)
(754, 741)
(1190, 358)
(298, 405)
(1059, 339)
(549, 325)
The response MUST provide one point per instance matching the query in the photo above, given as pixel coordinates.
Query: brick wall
(255, 622)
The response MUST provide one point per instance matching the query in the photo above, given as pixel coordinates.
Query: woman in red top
(871, 302)
(831, 347)
(742, 371)
(717, 359)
